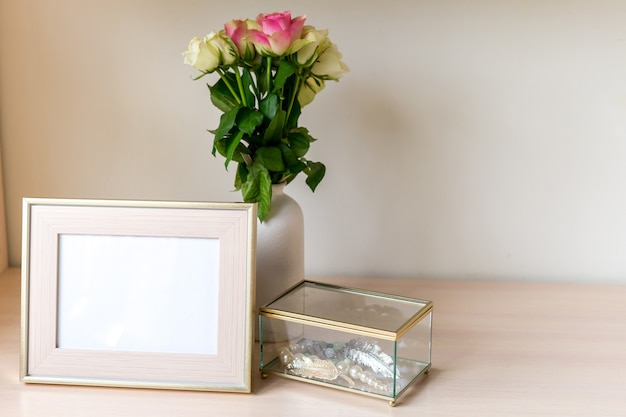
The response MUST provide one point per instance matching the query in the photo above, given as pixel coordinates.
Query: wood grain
(499, 349)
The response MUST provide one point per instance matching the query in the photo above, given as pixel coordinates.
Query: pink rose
(240, 32)
(278, 32)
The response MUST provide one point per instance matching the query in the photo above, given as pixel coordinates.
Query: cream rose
(210, 52)
(199, 56)
(329, 65)
(310, 88)
(314, 41)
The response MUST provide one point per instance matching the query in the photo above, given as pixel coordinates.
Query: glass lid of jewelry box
(354, 307)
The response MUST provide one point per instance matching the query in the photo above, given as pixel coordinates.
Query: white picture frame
(139, 294)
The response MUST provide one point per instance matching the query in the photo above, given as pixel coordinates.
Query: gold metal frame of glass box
(352, 328)
(265, 311)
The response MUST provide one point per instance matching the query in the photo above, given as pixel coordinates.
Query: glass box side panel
(273, 335)
(413, 351)
(342, 305)
(331, 357)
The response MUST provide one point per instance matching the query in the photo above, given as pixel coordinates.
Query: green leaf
(222, 145)
(294, 115)
(315, 173)
(271, 157)
(256, 140)
(297, 168)
(257, 188)
(231, 146)
(285, 70)
(269, 106)
(299, 141)
(248, 86)
(248, 119)
(293, 165)
(276, 127)
(214, 148)
(241, 175)
(265, 197)
(289, 156)
(221, 97)
(261, 77)
(227, 121)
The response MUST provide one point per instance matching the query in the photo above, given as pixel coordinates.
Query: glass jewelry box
(350, 339)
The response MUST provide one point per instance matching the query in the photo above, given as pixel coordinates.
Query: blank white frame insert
(138, 293)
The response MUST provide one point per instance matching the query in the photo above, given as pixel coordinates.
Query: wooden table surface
(499, 349)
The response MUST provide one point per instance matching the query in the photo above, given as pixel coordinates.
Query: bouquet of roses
(268, 68)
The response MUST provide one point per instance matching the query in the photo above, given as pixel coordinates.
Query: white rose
(313, 41)
(224, 45)
(200, 56)
(329, 65)
(310, 88)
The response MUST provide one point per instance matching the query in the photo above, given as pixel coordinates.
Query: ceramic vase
(280, 247)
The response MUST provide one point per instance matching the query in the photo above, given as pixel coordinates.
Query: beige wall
(473, 138)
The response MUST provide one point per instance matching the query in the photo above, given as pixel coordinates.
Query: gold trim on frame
(351, 328)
